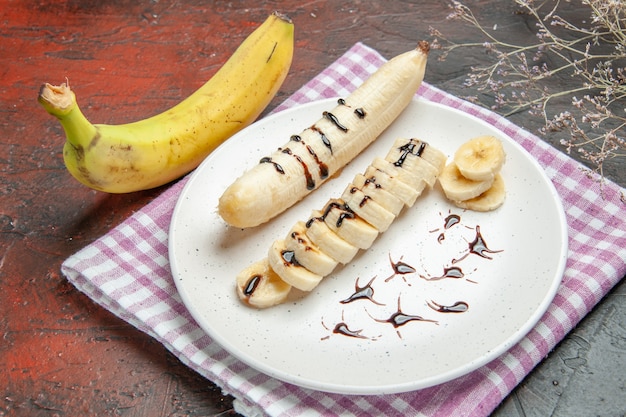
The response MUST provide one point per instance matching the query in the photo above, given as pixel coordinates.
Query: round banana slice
(457, 187)
(410, 151)
(260, 287)
(378, 194)
(348, 226)
(287, 267)
(307, 253)
(328, 241)
(489, 200)
(400, 174)
(367, 209)
(480, 158)
(407, 194)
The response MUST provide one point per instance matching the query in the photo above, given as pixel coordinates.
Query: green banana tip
(56, 99)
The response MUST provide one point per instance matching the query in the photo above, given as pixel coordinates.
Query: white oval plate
(506, 295)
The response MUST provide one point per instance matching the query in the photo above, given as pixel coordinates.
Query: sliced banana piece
(306, 252)
(347, 225)
(367, 209)
(399, 174)
(260, 287)
(489, 200)
(287, 267)
(407, 194)
(458, 188)
(327, 240)
(383, 197)
(409, 149)
(480, 158)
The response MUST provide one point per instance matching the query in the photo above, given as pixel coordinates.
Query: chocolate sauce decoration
(458, 307)
(399, 268)
(478, 247)
(251, 285)
(323, 137)
(361, 293)
(449, 221)
(277, 167)
(399, 319)
(310, 182)
(322, 167)
(453, 272)
(328, 115)
(343, 329)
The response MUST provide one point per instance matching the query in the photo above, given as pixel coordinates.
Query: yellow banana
(154, 151)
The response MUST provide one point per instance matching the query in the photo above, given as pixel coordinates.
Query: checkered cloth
(127, 272)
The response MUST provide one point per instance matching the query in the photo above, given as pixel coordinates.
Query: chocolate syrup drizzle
(343, 329)
(346, 213)
(478, 247)
(399, 319)
(399, 268)
(360, 293)
(458, 307)
(407, 149)
(322, 166)
(251, 285)
(453, 272)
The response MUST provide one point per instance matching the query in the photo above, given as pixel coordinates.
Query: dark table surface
(62, 355)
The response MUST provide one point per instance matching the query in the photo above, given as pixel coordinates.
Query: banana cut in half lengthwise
(472, 180)
(335, 234)
(319, 151)
(156, 150)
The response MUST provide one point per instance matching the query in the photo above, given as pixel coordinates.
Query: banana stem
(60, 102)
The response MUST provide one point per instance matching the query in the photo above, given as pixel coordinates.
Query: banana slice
(480, 158)
(383, 197)
(347, 225)
(327, 240)
(458, 188)
(407, 194)
(400, 174)
(404, 149)
(367, 209)
(489, 200)
(260, 287)
(287, 267)
(307, 253)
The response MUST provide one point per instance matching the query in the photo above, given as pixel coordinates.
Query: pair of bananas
(154, 151)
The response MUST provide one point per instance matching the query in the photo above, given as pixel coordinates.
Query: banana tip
(282, 16)
(423, 46)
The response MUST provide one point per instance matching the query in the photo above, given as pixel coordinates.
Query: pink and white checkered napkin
(127, 272)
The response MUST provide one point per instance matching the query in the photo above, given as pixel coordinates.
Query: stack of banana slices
(472, 180)
(333, 235)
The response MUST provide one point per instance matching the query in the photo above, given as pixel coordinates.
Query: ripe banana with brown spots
(154, 151)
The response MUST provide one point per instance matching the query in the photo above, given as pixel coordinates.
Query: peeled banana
(335, 234)
(309, 158)
(472, 180)
(154, 151)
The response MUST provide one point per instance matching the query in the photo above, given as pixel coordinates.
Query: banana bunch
(472, 180)
(333, 235)
(308, 159)
(154, 151)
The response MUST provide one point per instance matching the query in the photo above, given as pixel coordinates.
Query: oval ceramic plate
(441, 306)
